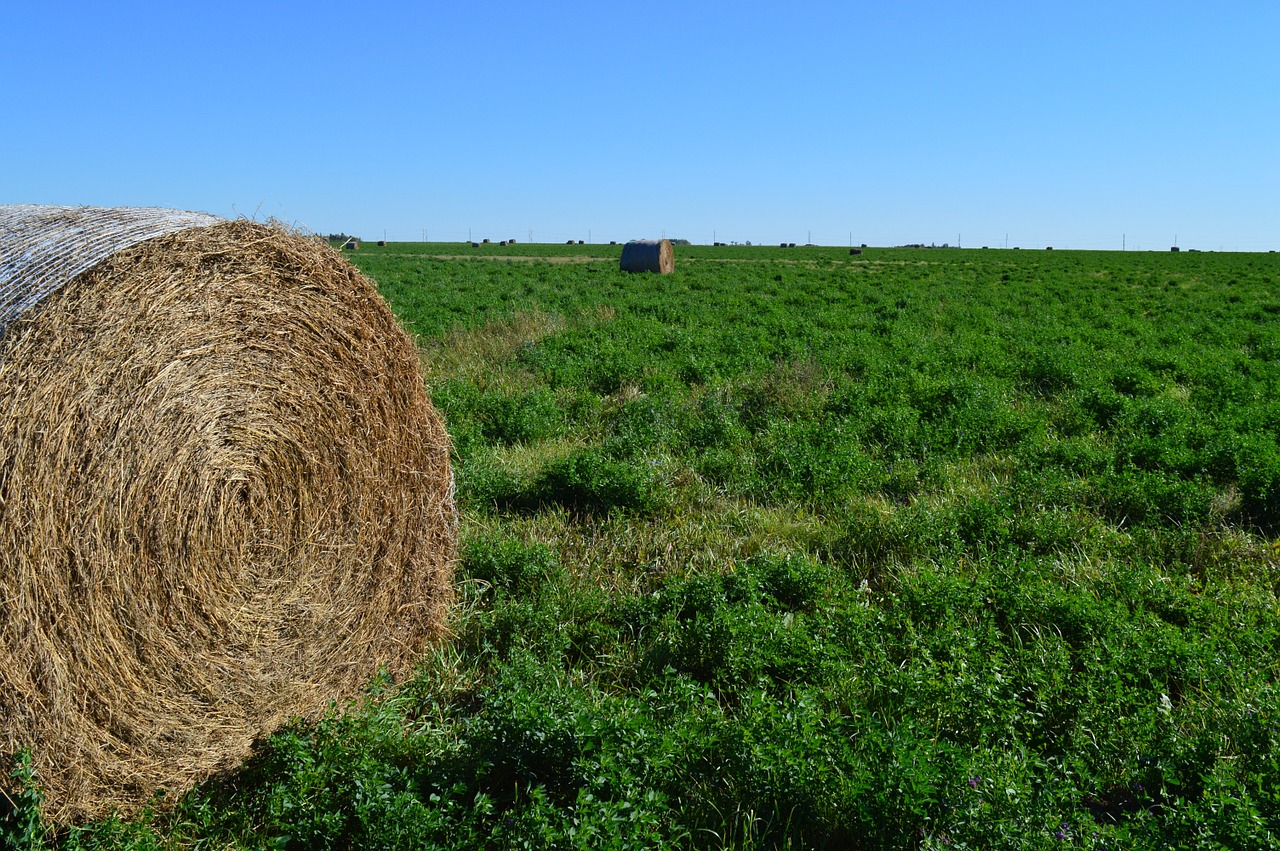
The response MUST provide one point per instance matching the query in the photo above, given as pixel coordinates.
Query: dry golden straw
(648, 255)
(225, 501)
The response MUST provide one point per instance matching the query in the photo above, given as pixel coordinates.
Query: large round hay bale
(225, 497)
(648, 255)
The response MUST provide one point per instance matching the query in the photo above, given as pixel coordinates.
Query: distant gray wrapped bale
(648, 255)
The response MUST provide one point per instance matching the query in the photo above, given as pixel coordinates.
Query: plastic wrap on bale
(648, 255)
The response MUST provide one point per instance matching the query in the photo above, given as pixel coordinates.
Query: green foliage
(21, 824)
(588, 481)
(917, 549)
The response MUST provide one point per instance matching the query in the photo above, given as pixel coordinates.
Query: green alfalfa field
(794, 548)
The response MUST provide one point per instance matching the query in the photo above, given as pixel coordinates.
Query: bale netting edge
(648, 255)
(225, 502)
(41, 248)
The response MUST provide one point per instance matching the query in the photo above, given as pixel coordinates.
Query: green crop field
(791, 548)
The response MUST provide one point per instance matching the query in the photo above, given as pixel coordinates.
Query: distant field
(915, 549)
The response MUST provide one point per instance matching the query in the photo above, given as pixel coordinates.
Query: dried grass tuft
(225, 501)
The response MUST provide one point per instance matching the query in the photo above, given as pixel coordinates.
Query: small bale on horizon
(648, 255)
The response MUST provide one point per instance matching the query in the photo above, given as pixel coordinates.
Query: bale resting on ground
(648, 255)
(225, 497)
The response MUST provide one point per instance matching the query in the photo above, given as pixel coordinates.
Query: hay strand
(648, 255)
(224, 502)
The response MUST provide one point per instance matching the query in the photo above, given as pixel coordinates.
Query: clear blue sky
(1066, 124)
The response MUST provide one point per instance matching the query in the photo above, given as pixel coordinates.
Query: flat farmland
(792, 548)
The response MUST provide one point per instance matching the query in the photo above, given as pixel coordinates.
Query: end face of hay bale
(648, 255)
(226, 503)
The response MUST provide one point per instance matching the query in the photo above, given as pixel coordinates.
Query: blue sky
(1077, 125)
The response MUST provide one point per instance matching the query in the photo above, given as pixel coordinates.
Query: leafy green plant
(917, 549)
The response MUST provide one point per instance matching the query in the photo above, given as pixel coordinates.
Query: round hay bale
(225, 497)
(648, 255)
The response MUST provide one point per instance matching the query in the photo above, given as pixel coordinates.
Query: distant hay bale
(382, 243)
(351, 244)
(855, 251)
(648, 255)
(225, 497)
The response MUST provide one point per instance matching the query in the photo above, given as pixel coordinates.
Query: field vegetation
(792, 548)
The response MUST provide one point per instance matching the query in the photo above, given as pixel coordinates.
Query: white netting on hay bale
(41, 248)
